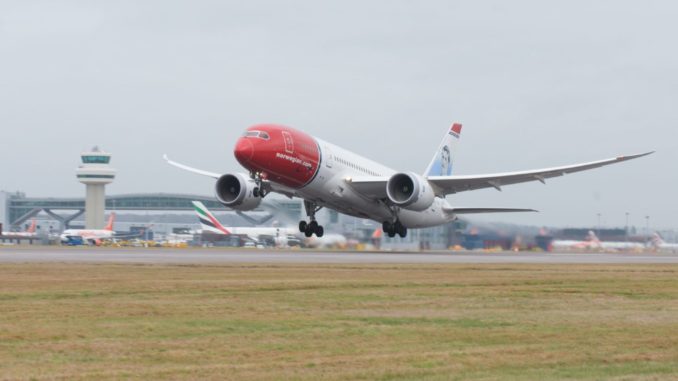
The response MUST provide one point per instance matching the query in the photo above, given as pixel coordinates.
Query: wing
(445, 185)
(191, 169)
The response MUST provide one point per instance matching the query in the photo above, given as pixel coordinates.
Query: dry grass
(509, 322)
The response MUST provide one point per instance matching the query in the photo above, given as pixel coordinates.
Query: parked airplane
(89, 236)
(618, 245)
(210, 224)
(590, 243)
(283, 160)
(660, 245)
(30, 232)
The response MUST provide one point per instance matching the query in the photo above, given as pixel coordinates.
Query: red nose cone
(244, 150)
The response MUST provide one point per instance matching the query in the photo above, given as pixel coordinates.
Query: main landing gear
(310, 228)
(393, 228)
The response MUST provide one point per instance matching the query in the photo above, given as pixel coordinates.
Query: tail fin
(657, 240)
(592, 237)
(31, 229)
(111, 219)
(442, 162)
(208, 221)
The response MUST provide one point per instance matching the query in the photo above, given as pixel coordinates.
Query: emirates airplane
(286, 161)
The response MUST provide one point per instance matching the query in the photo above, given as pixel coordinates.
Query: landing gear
(259, 190)
(393, 228)
(310, 228)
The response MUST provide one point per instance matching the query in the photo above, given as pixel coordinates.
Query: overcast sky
(535, 83)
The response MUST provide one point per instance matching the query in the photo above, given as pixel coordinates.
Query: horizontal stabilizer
(485, 210)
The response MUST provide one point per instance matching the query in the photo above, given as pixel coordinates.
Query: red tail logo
(111, 219)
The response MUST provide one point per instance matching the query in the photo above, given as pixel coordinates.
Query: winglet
(190, 169)
(631, 157)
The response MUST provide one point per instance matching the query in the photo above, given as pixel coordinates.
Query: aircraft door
(327, 156)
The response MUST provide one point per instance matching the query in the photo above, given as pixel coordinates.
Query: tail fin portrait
(208, 221)
(109, 225)
(443, 160)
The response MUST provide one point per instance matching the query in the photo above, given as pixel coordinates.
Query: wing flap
(454, 184)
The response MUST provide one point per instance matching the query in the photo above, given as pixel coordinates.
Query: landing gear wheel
(386, 227)
(308, 233)
(400, 229)
(313, 226)
(320, 231)
(303, 226)
(393, 229)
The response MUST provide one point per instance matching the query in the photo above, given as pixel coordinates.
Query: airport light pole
(599, 214)
(626, 229)
(647, 228)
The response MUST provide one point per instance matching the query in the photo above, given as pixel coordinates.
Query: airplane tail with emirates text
(443, 160)
(111, 220)
(208, 221)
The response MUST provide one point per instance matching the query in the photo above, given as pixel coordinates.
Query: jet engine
(236, 191)
(410, 191)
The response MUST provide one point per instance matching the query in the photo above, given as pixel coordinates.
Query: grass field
(466, 322)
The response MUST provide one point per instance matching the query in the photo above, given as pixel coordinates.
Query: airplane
(292, 163)
(211, 225)
(30, 232)
(617, 245)
(592, 242)
(659, 244)
(89, 236)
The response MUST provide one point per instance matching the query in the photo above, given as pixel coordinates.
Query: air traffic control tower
(95, 172)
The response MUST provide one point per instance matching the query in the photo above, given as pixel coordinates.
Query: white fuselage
(330, 188)
(87, 234)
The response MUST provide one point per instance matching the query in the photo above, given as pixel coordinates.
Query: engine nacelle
(410, 191)
(236, 192)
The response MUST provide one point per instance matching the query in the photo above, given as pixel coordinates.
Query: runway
(24, 254)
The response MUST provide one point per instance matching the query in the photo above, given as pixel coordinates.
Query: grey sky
(535, 83)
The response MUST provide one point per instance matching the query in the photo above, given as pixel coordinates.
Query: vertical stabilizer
(31, 229)
(111, 219)
(443, 160)
(208, 221)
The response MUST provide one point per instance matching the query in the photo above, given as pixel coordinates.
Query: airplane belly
(330, 190)
(433, 216)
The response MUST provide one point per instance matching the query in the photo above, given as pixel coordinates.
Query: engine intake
(236, 192)
(410, 191)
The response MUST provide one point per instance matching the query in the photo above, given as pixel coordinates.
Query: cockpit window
(257, 134)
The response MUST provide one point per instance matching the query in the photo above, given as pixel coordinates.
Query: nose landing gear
(310, 228)
(259, 190)
(393, 228)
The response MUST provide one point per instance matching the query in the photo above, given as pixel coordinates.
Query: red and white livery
(290, 162)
